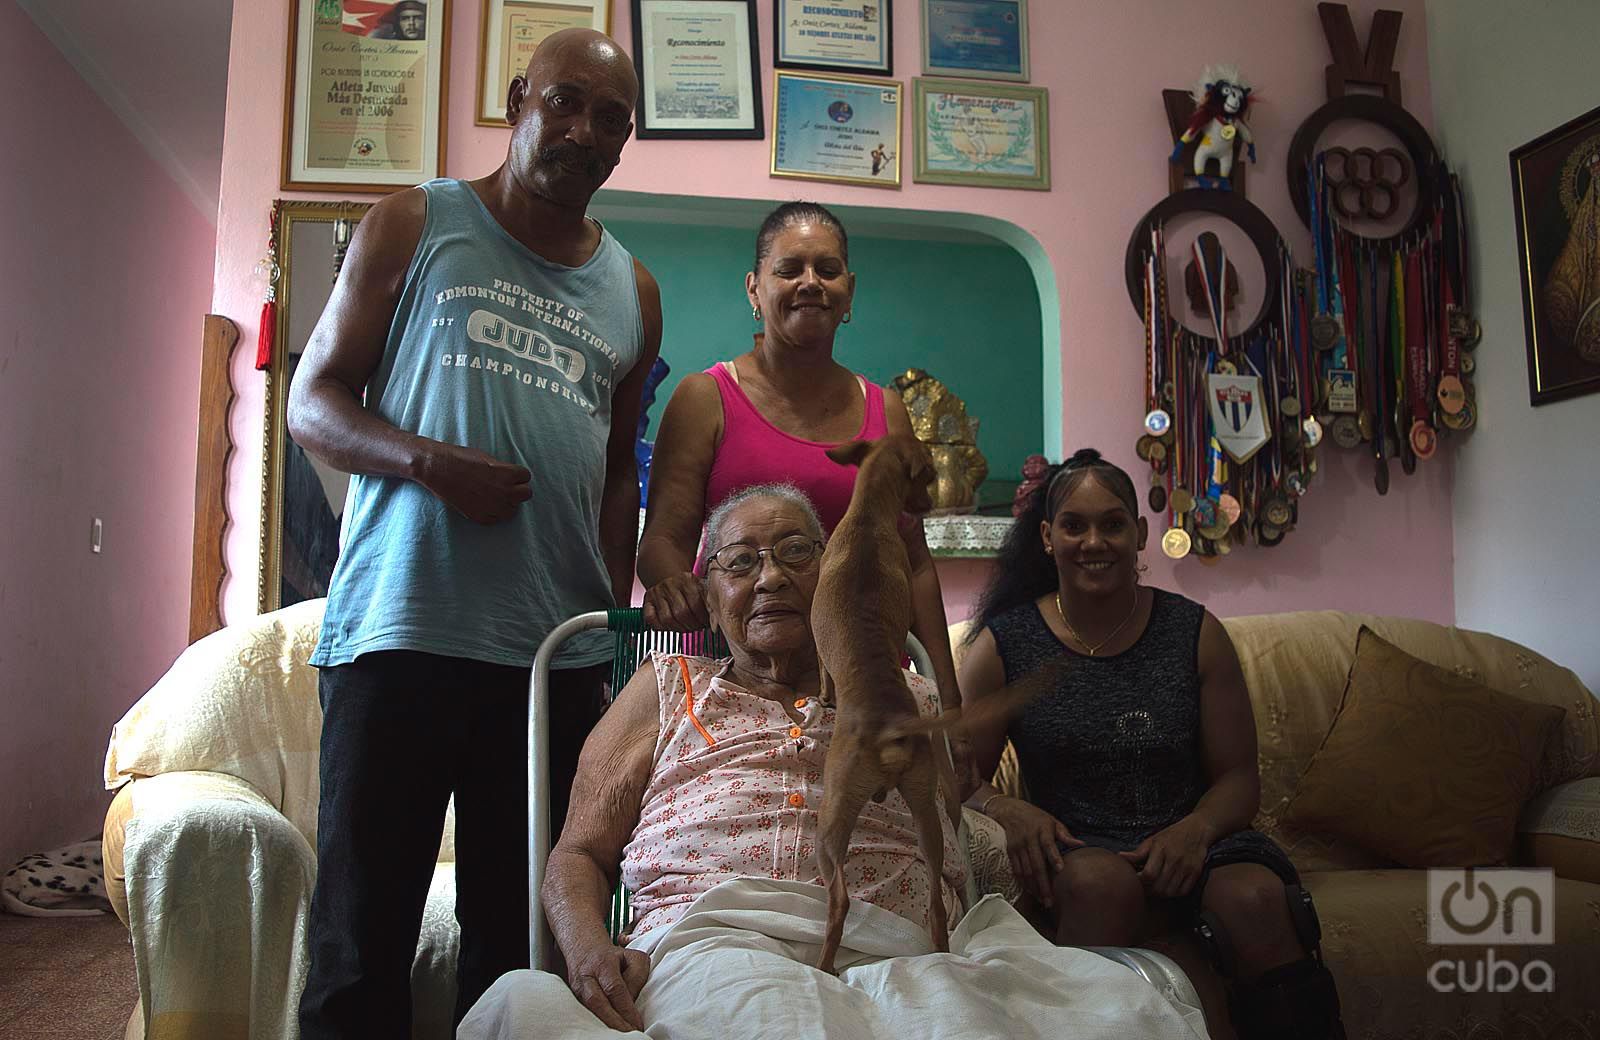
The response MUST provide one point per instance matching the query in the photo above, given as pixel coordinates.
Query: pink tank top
(753, 451)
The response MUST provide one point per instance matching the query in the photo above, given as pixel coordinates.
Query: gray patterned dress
(1113, 750)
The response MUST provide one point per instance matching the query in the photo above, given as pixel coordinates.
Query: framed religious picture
(1555, 193)
(364, 97)
(844, 129)
(975, 39)
(839, 35)
(698, 73)
(986, 135)
(512, 31)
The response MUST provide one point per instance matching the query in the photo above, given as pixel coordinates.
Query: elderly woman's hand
(607, 979)
(677, 603)
(1031, 836)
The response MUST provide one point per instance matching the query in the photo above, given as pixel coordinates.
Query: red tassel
(267, 333)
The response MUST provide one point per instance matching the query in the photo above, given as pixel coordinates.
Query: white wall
(1527, 492)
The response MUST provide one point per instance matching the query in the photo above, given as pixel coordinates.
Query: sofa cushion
(1423, 766)
(1296, 665)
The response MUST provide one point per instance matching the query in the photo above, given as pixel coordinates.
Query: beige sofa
(210, 842)
(1374, 914)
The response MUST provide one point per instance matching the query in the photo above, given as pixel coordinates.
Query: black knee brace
(1292, 1000)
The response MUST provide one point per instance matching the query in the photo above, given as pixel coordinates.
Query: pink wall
(104, 278)
(1105, 65)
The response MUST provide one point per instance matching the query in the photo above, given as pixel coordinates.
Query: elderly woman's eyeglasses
(793, 552)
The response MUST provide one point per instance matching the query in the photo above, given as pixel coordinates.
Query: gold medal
(1158, 452)
(1229, 131)
(1364, 424)
(1289, 406)
(1276, 512)
(1216, 531)
(1229, 508)
(1176, 543)
(1225, 367)
(1346, 431)
(1468, 364)
(1452, 395)
(1461, 419)
(1182, 500)
(1141, 447)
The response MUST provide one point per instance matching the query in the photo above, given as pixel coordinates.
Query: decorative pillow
(1423, 766)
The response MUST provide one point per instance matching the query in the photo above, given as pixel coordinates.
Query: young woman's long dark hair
(1023, 571)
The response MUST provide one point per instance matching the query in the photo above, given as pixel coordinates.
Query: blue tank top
(495, 348)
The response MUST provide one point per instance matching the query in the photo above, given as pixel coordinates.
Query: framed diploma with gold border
(364, 97)
(844, 129)
(984, 135)
(512, 31)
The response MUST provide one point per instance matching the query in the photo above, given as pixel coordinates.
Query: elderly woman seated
(701, 787)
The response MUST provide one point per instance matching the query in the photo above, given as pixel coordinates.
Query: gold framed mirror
(302, 499)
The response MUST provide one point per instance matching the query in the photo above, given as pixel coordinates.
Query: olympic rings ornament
(1365, 172)
(1376, 110)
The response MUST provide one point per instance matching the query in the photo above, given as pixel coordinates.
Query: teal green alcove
(955, 294)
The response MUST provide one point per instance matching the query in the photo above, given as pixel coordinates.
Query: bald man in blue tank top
(478, 369)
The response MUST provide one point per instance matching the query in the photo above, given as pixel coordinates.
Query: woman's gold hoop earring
(755, 313)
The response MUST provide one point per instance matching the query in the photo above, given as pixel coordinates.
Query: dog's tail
(996, 709)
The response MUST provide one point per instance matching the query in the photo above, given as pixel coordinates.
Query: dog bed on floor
(65, 882)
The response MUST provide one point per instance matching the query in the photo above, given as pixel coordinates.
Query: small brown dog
(860, 616)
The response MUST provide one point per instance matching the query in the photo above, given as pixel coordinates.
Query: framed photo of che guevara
(364, 97)
(1555, 193)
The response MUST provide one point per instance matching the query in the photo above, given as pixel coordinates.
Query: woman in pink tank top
(769, 416)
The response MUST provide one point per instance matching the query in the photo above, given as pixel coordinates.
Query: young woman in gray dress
(1139, 758)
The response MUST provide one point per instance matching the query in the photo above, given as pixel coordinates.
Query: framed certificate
(698, 75)
(986, 135)
(512, 31)
(364, 97)
(847, 35)
(975, 39)
(836, 128)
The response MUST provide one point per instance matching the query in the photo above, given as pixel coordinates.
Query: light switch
(95, 531)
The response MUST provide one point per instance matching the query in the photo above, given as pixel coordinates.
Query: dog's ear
(850, 453)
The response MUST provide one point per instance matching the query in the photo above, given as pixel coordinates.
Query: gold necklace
(1092, 650)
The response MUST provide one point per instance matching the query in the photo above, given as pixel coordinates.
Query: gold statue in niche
(939, 419)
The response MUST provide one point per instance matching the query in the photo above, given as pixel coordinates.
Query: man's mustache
(572, 156)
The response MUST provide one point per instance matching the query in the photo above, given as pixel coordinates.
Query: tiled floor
(65, 978)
